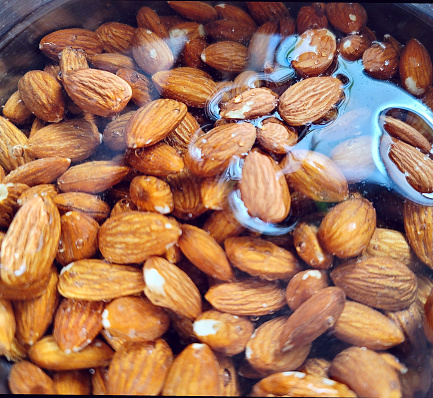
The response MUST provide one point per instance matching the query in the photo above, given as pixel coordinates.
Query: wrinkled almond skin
(366, 373)
(30, 244)
(135, 236)
(53, 43)
(415, 68)
(87, 203)
(315, 175)
(140, 85)
(150, 52)
(346, 17)
(263, 11)
(153, 122)
(116, 37)
(15, 110)
(86, 316)
(261, 258)
(9, 205)
(418, 227)
(347, 228)
(97, 91)
(149, 19)
(205, 253)
(28, 378)
(169, 287)
(210, 154)
(352, 47)
(391, 284)
(363, 326)
(195, 371)
(228, 56)
(309, 100)
(43, 96)
(311, 17)
(312, 318)
(139, 368)
(264, 189)
(197, 11)
(72, 382)
(263, 351)
(381, 60)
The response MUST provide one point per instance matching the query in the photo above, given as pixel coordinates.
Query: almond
(262, 46)
(224, 333)
(99, 280)
(418, 226)
(111, 62)
(135, 236)
(139, 368)
(33, 317)
(12, 143)
(311, 17)
(352, 47)
(261, 258)
(53, 43)
(114, 136)
(315, 175)
(71, 60)
(29, 248)
(86, 318)
(228, 377)
(210, 154)
(263, 188)
(15, 110)
(264, 354)
(43, 96)
(150, 52)
(222, 224)
(48, 355)
(304, 285)
(309, 100)
(153, 122)
(234, 13)
(142, 91)
(365, 372)
(27, 378)
(191, 53)
(214, 192)
(160, 160)
(346, 17)
(9, 326)
(87, 203)
(74, 139)
(347, 228)
(97, 91)
(227, 56)
(135, 319)
(116, 36)
(312, 318)
(416, 166)
(391, 284)
(415, 68)
(363, 326)
(248, 297)
(149, 19)
(275, 136)
(193, 371)
(230, 30)
(72, 382)
(381, 60)
(197, 11)
(314, 52)
(263, 11)
(169, 287)
(9, 205)
(92, 177)
(205, 253)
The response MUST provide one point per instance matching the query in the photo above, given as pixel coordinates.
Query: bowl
(365, 103)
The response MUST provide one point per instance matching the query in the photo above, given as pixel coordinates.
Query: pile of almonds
(125, 268)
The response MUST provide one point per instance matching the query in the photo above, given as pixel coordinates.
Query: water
(358, 115)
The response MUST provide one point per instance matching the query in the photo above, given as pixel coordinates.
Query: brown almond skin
(153, 122)
(264, 353)
(261, 258)
(228, 56)
(311, 17)
(43, 96)
(363, 326)
(303, 285)
(339, 16)
(92, 205)
(15, 110)
(263, 11)
(161, 58)
(86, 316)
(139, 368)
(210, 154)
(415, 68)
(347, 228)
(205, 253)
(381, 60)
(312, 318)
(315, 175)
(197, 11)
(418, 225)
(28, 378)
(53, 43)
(116, 37)
(391, 284)
(264, 189)
(366, 373)
(73, 382)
